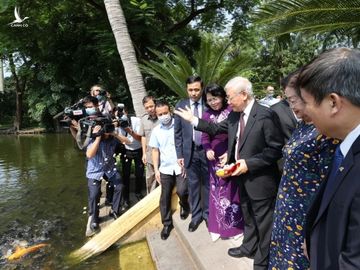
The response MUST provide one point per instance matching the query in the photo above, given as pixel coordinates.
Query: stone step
(205, 253)
(169, 254)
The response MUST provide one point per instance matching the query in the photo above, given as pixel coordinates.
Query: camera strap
(86, 142)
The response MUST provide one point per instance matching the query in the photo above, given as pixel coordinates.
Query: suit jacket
(333, 229)
(183, 132)
(260, 146)
(287, 118)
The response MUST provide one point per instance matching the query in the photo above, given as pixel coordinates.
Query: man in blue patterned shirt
(100, 163)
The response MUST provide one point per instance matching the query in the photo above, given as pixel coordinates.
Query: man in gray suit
(191, 155)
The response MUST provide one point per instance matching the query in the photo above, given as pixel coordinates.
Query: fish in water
(20, 251)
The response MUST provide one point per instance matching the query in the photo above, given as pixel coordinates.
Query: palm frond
(312, 16)
(214, 63)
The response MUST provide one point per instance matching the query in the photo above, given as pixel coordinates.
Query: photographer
(106, 105)
(129, 127)
(100, 163)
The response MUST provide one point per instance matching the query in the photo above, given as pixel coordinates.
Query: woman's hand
(210, 154)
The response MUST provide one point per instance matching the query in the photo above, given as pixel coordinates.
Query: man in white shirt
(168, 174)
(133, 152)
(269, 99)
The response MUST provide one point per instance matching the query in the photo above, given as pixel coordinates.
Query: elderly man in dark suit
(191, 155)
(254, 143)
(330, 88)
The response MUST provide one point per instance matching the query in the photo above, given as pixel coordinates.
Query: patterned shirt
(103, 162)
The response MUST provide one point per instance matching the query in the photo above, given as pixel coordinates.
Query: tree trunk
(127, 53)
(19, 95)
(1, 76)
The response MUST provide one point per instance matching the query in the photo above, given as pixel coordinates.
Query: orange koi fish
(20, 252)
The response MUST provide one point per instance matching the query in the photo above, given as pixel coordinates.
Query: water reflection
(42, 195)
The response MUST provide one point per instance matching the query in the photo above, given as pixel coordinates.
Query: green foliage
(215, 62)
(311, 16)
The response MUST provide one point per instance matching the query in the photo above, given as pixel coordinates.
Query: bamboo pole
(119, 228)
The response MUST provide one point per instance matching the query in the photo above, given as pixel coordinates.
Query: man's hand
(186, 114)
(181, 163)
(223, 159)
(96, 129)
(75, 124)
(303, 246)
(157, 176)
(241, 169)
(210, 154)
(144, 159)
(128, 130)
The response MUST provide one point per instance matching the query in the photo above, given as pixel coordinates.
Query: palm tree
(216, 62)
(127, 53)
(311, 16)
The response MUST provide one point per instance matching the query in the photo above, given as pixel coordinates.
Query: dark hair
(286, 80)
(217, 91)
(161, 103)
(334, 71)
(148, 98)
(89, 99)
(193, 79)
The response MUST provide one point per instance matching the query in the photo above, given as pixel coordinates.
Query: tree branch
(193, 14)
(96, 5)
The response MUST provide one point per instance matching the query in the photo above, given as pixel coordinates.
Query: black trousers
(168, 182)
(258, 217)
(198, 185)
(94, 193)
(126, 161)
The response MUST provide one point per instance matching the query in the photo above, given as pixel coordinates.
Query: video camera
(106, 124)
(74, 112)
(122, 119)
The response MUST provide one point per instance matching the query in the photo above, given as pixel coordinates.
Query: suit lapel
(233, 122)
(249, 124)
(342, 171)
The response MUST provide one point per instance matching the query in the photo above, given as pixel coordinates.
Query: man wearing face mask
(169, 173)
(100, 163)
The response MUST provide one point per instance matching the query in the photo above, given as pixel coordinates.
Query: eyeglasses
(293, 100)
(231, 98)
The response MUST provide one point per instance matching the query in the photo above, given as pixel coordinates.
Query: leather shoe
(166, 232)
(194, 225)
(114, 215)
(184, 213)
(238, 253)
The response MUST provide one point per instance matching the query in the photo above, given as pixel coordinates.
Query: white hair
(240, 84)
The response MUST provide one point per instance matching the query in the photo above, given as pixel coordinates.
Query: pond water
(43, 193)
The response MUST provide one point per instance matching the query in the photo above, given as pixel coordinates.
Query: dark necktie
(241, 133)
(197, 134)
(338, 158)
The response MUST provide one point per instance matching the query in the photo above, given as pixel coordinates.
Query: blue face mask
(165, 119)
(90, 111)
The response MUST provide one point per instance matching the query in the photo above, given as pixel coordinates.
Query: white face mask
(165, 119)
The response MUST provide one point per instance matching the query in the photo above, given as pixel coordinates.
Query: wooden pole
(119, 228)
